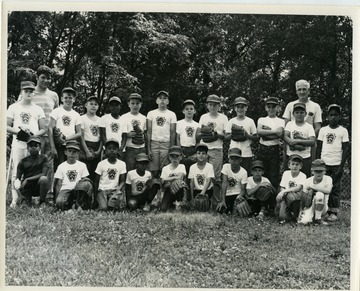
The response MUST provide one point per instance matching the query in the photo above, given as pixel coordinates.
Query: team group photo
(178, 150)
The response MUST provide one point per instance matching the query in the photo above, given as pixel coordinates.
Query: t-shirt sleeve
(244, 178)
(150, 115)
(98, 169)
(211, 173)
(228, 126)
(318, 117)
(59, 173)
(224, 170)
(178, 126)
(282, 182)
(346, 135)
(191, 172)
(123, 168)
(10, 112)
(173, 118)
(321, 134)
(85, 171)
(41, 113)
(287, 113)
(128, 178)
(311, 130)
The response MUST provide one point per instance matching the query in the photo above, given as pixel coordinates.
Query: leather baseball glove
(176, 186)
(138, 139)
(23, 134)
(207, 134)
(202, 203)
(263, 193)
(242, 208)
(290, 197)
(237, 133)
(59, 137)
(307, 198)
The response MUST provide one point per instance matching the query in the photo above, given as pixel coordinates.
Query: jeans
(270, 156)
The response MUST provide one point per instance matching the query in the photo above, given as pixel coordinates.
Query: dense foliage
(188, 54)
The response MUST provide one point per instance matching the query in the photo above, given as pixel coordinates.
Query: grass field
(195, 250)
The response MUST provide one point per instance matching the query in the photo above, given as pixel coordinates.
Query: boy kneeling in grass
(72, 187)
(33, 172)
(110, 178)
(316, 195)
(141, 188)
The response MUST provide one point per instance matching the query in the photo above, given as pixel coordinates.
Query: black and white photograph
(179, 146)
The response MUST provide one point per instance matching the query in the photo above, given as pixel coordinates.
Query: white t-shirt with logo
(187, 132)
(65, 120)
(110, 173)
(199, 176)
(26, 116)
(91, 128)
(274, 123)
(313, 112)
(296, 132)
(218, 124)
(252, 184)
(161, 120)
(326, 182)
(332, 139)
(288, 181)
(128, 121)
(113, 127)
(70, 174)
(167, 173)
(234, 180)
(137, 182)
(249, 125)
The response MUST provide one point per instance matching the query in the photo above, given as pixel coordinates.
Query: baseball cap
(69, 89)
(334, 106)
(234, 152)
(175, 150)
(142, 157)
(295, 157)
(135, 96)
(115, 98)
(202, 146)
(34, 139)
(257, 164)
(188, 101)
(72, 144)
(213, 98)
(318, 164)
(241, 100)
(92, 98)
(111, 140)
(162, 92)
(272, 100)
(27, 85)
(299, 105)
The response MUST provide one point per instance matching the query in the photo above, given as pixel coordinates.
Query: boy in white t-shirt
(173, 173)
(110, 179)
(247, 129)
(200, 174)
(64, 125)
(29, 117)
(289, 198)
(161, 133)
(300, 137)
(141, 188)
(271, 130)
(234, 179)
(134, 131)
(211, 131)
(72, 187)
(316, 190)
(186, 134)
(333, 148)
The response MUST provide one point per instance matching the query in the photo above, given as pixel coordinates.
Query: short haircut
(44, 70)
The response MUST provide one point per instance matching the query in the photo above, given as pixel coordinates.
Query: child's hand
(131, 133)
(23, 184)
(89, 155)
(265, 127)
(280, 196)
(279, 131)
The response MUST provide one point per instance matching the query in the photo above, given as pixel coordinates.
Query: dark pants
(35, 188)
(60, 156)
(230, 201)
(143, 198)
(246, 164)
(334, 197)
(91, 164)
(270, 156)
(189, 157)
(169, 198)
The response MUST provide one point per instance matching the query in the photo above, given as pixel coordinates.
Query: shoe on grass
(261, 215)
(320, 222)
(332, 218)
(146, 208)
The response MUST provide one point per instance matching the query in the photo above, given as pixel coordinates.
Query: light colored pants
(160, 152)
(318, 208)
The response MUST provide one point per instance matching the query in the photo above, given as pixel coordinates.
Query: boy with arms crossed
(333, 148)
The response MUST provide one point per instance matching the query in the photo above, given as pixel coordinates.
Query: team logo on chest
(330, 137)
(66, 120)
(292, 184)
(135, 122)
(25, 117)
(114, 127)
(111, 174)
(139, 186)
(297, 134)
(94, 130)
(189, 131)
(212, 125)
(72, 174)
(200, 179)
(231, 182)
(160, 120)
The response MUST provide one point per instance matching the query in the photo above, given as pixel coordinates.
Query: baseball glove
(83, 193)
(59, 137)
(138, 139)
(291, 197)
(201, 203)
(307, 198)
(176, 186)
(23, 134)
(263, 193)
(207, 134)
(238, 133)
(242, 208)
(117, 200)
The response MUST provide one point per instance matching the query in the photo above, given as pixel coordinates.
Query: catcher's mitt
(307, 198)
(176, 186)
(207, 134)
(138, 139)
(117, 200)
(202, 203)
(291, 197)
(237, 133)
(83, 193)
(59, 137)
(242, 208)
(23, 134)
(263, 193)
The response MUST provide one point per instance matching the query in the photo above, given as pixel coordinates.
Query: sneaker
(261, 215)
(146, 208)
(320, 222)
(332, 218)
(49, 201)
(282, 221)
(177, 206)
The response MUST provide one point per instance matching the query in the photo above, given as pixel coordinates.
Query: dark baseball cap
(69, 89)
(299, 105)
(272, 100)
(295, 157)
(202, 146)
(135, 96)
(234, 152)
(27, 85)
(115, 99)
(72, 144)
(188, 101)
(162, 92)
(92, 98)
(257, 164)
(142, 157)
(175, 150)
(213, 98)
(318, 164)
(240, 100)
(112, 140)
(34, 139)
